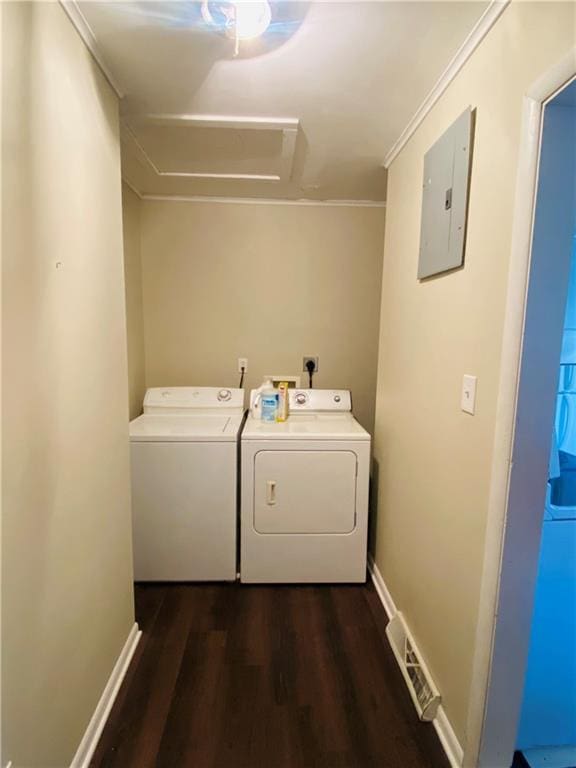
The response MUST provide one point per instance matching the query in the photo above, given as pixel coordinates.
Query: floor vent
(420, 684)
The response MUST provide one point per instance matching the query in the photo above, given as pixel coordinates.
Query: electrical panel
(445, 199)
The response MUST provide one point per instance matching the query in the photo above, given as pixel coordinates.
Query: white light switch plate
(468, 403)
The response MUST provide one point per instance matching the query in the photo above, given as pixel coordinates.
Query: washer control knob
(224, 395)
(337, 398)
(301, 398)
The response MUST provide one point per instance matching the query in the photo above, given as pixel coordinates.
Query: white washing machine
(184, 458)
(304, 502)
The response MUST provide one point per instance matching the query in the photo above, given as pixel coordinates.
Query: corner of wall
(132, 237)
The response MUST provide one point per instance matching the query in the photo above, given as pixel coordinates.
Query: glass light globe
(239, 19)
(252, 18)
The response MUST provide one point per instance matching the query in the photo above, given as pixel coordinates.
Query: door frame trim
(486, 745)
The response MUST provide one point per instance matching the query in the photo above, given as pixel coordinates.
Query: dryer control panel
(320, 400)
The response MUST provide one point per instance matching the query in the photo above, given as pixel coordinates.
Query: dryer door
(305, 491)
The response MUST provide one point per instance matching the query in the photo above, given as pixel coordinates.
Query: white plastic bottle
(268, 401)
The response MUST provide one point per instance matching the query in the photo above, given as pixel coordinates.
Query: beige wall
(434, 461)
(134, 310)
(67, 587)
(268, 282)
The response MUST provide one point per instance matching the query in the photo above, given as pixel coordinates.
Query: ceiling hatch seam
(288, 127)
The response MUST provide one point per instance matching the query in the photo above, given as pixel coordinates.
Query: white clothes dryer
(304, 497)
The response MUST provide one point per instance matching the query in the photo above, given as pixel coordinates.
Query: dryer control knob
(337, 398)
(301, 398)
(224, 395)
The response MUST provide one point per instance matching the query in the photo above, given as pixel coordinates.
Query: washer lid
(169, 428)
(302, 426)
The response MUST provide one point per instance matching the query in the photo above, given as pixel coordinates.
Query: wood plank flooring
(230, 676)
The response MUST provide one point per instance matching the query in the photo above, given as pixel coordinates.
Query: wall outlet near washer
(305, 361)
(242, 364)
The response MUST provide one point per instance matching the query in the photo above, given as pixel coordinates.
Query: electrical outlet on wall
(305, 361)
(242, 364)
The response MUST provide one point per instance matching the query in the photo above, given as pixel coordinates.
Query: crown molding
(72, 10)
(478, 33)
(131, 188)
(258, 200)
(255, 200)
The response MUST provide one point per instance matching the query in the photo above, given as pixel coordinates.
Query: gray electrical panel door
(445, 199)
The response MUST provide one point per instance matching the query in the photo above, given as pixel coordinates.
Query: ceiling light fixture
(238, 19)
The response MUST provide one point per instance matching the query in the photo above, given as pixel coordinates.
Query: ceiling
(308, 111)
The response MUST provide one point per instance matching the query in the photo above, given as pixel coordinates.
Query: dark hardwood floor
(230, 676)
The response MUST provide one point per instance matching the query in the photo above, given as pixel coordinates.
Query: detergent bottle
(269, 401)
(265, 401)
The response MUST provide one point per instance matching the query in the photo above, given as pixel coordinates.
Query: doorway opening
(547, 725)
(525, 665)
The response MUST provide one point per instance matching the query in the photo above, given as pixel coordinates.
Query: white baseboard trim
(98, 720)
(442, 725)
(448, 738)
(381, 588)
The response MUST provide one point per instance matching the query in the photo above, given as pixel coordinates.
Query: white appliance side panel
(184, 511)
(304, 492)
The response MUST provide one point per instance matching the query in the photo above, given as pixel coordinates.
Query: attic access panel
(214, 147)
(445, 199)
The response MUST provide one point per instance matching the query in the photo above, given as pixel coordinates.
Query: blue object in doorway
(553, 757)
